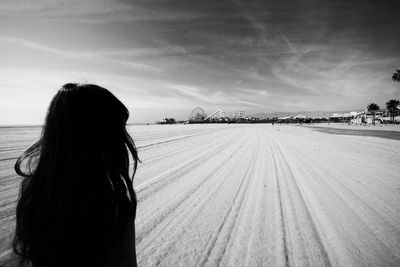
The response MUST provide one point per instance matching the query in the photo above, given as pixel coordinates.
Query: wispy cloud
(38, 46)
(228, 54)
(348, 74)
(286, 40)
(81, 55)
(60, 7)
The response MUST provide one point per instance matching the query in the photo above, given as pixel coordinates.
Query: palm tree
(392, 106)
(396, 76)
(372, 107)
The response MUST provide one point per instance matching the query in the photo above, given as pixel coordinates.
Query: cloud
(81, 55)
(287, 41)
(38, 46)
(342, 73)
(240, 98)
(60, 7)
(247, 55)
(193, 93)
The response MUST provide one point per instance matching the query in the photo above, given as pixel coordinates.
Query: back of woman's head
(77, 189)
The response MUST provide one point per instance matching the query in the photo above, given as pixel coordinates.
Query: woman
(77, 205)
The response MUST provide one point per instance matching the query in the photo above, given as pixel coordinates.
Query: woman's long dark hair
(77, 192)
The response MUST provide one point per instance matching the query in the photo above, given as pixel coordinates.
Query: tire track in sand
(153, 185)
(172, 153)
(181, 219)
(351, 221)
(217, 246)
(256, 239)
(284, 226)
(179, 172)
(303, 240)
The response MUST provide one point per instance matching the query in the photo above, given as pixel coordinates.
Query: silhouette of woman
(77, 205)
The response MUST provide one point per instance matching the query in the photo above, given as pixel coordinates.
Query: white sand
(254, 195)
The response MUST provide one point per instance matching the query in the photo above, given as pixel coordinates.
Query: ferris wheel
(197, 114)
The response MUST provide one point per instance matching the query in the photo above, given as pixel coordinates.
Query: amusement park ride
(199, 115)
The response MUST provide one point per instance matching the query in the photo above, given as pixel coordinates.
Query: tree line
(392, 105)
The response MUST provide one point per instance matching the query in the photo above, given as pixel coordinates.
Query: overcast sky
(163, 58)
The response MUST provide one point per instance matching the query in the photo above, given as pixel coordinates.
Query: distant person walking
(363, 121)
(77, 205)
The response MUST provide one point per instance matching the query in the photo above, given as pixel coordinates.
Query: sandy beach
(252, 195)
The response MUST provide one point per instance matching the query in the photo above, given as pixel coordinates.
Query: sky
(163, 58)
